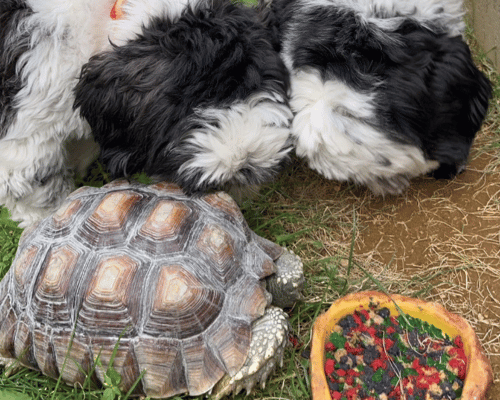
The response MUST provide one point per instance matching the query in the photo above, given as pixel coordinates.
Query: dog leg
(332, 129)
(34, 178)
(242, 145)
(43, 47)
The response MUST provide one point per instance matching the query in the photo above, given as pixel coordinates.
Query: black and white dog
(195, 92)
(189, 91)
(382, 90)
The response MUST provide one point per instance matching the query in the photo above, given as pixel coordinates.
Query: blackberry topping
(370, 354)
(384, 312)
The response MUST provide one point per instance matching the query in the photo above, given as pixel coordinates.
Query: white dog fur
(36, 170)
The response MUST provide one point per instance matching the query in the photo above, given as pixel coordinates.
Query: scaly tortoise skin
(179, 283)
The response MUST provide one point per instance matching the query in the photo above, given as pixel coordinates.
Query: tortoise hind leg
(267, 347)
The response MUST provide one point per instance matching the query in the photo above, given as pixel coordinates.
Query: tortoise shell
(176, 281)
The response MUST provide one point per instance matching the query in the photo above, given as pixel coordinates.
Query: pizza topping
(371, 354)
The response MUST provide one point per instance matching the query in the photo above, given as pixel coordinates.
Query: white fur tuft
(252, 134)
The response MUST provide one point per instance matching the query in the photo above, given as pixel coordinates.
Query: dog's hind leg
(43, 45)
(34, 179)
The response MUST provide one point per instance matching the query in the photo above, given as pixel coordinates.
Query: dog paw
(244, 144)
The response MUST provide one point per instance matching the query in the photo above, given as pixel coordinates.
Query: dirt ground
(443, 225)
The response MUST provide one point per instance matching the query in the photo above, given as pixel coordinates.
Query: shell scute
(203, 366)
(124, 361)
(225, 203)
(228, 209)
(162, 359)
(108, 305)
(22, 272)
(259, 263)
(165, 228)
(182, 305)
(62, 221)
(268, 247)
(7, 328)
(256, 299)
(28, 234)
(119, 184)
(231, 340)
(107, 225)
(44, 354)
(223, 255)
(51, 301)
(73, 356)
(23, 346)
(167, 187)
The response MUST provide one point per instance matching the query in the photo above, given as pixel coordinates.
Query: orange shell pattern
(178, 279)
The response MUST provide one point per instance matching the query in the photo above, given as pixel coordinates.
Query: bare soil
(454, 224)
(439, 225)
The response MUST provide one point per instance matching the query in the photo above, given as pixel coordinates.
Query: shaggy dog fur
(382, 90)
(189, 91)
(196, 97)
(43, 45)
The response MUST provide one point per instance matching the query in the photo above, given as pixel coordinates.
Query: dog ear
(97, 93)
(110, 105)
(465, 94)
(478, 88)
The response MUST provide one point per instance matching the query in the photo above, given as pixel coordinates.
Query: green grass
(9, 237)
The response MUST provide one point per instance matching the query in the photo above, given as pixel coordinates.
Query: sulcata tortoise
(183, 285)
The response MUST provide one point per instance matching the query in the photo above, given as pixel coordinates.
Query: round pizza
(372, 354)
